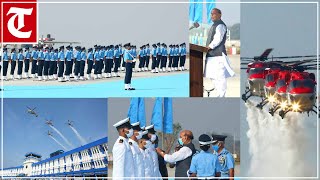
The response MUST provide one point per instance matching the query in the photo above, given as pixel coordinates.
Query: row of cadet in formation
(59, 64)
(136, 154)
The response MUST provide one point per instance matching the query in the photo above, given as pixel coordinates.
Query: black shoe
(132, 88)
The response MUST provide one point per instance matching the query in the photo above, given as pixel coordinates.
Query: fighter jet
(32, 112)
(49, 133)
(49, 122)
(70, 123)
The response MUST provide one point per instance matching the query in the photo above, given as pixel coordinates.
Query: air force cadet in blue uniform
(123, 162)
(53, 65)
(90, 63)
(183, 53)
(40, 63)
(27, 57)
(164, 56)
(224, 156)
(96, 63)
(154, 59)
(205, 165)
(61, 62)
(77, 63)
(117, 61)
(109, 61)
(137, 155)
(128, 58)
(68, 59)
(159, 56)
(34, 61)
(147, 57)
(20, 63)
(13, 60)
(141, 59)
(5, 64)
(47, 59)
(82, 63)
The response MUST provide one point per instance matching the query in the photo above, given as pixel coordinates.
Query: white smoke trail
(278, 147)
(83, 141)
(58, 143)
(62, 136)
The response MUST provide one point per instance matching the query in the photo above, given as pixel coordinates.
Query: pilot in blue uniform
(109, 61)
(147, 57)
(205, 165)
(176, 57)
(83, 63)
(40, 63)
(128, 58)
(183, 53)
(101, 62)
(117, 61)
(20, 63)
(134, 54)
(164, 57)
(123, 64)
(171, 51)
(27, 57)
(141, 59)
(159, 56)
(154, 58)
(224, 156)
(13, 60)
(90, 63)
(5, 64)
(77, 63)
(61, 63)
(34, 61)
(47, 59)
(96, 62)
(53, 64)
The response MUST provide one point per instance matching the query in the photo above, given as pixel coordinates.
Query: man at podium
(217, 66)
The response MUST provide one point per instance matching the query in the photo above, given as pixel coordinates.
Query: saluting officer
(13, 60)
(27, 57)
(224, 156)
(34, 61)
(90, 63)
(123, 162)
(205, 164)
(5, 64)
(20, 63)
(61, 62)
(128, 58)
(117, 61)
(137, 155)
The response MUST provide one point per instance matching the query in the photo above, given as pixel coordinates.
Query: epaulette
(130, 143)
(121, 141)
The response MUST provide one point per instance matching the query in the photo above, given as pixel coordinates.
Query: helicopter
(286, 85)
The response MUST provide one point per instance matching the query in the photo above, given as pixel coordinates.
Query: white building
(89, 160)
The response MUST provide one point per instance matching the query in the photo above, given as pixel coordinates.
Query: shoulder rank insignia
(130, 143)
(121, 141)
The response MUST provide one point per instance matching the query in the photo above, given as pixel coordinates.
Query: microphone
(194, 25)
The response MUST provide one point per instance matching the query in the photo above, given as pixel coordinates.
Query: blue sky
(24, 132)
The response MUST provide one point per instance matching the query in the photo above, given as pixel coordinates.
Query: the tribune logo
(20, 23)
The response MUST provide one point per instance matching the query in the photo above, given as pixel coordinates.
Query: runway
(164, 85)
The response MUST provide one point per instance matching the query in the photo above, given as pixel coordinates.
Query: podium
(196, 70)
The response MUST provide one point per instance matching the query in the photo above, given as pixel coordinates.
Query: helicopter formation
(286, 85)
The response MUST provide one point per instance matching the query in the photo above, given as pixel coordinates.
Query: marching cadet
(61, 62)
(147, 58)
(13, 60)
(90, 63)
(170, 58)
(20, 63)
(82, 63)
(205, 164)
(123, 65)
(154, 58)
(137, 155)
(141, 59)
(154, 142)
(144, 144)
(176, 57)
(164, 54)
(96, 62)
(77, 63)
(27, 57)
(5, 64)
(47, 59)
(73, 57)
(128, 58)
(68, 60)
(109, 61)
(134, 54)
(224, 156)
(34, 60)
(53, 64)
(183, 53)
(159, 56)
(40, 63)
(123, 162)
(117, 61)
(101, 62)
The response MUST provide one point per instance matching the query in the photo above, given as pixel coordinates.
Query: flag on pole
(168, 116)
(191, 10)
(198, 10)
(142, 113)
(133, 110)
(210, 4)
(157, 114)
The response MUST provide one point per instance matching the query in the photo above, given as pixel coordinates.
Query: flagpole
(162, 123)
